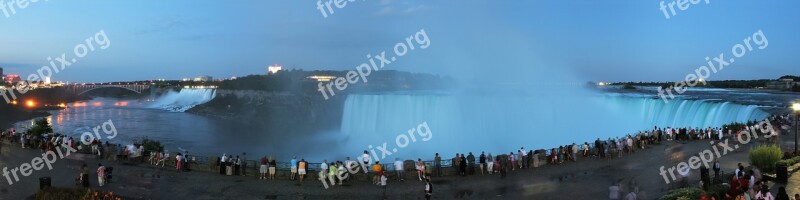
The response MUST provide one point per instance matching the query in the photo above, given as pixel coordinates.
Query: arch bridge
(83, 89)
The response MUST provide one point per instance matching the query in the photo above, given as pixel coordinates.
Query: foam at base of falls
(184, 100)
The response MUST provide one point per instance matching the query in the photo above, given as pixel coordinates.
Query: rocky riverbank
(283, 112)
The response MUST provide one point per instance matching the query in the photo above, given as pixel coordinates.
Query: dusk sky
(475, 40)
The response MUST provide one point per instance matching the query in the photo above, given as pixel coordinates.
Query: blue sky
(497, 41)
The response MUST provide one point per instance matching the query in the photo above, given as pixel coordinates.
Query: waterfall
(463, 123)
(183, 100)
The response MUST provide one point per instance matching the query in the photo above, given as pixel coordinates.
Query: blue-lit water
(496, 122)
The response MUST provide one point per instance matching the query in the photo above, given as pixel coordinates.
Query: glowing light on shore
(796, 107)
(97, 104)
(79, 104)
(30, 103)
(121, 103)
(14, 102)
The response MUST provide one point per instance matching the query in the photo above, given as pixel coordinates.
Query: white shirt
(398, 165)
(349, 164)
(766, 196)
(324, 166)
(631, 196)
(383, 180)
(613, 192)
(365, 158)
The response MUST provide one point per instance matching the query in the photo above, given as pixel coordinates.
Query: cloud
(415, 9)
(385, 2)
(385, 11)
(165, 24)
(398, 7)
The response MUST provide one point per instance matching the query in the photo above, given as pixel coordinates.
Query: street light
(796, 109)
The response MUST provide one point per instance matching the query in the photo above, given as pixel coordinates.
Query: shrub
(790, 161)
(683, 193)
(765, 156)
(150, 145)
(719, 190)
(81, 194)
(41, 127)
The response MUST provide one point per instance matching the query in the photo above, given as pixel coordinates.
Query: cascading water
(183, 100)
(504, 122)
(686, 113)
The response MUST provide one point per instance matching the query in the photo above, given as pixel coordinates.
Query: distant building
(782, 84)
(321, 78)
(12, 78)
(2, 77)
(203, 78)
(273, 69)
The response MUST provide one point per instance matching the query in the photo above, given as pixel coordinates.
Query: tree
(41, 127)
(628, 87)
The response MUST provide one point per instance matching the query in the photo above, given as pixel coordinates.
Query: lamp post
(796, 110)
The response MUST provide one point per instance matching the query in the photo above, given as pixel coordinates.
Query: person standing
(221, 164)
(420, 169)
(471, 163)
(293, 164)
(243, 163)
(84, 177)
(101, 174)
(341, 170)
(332, 175)
(463, 165)
(456, 164)
(272, 166)
(716, 167)
(263, 169)
(428, 189)
(186, 159)
(399, 169)
(178, 162)
(511, 159)
(301, 169)
(574, 152)
(237, 166)
(614, 191)
(437, 163)
(490, 164)
(523, 155)
(585, 149)
(365, 158)
(383, 184)
(324, 168)
(481, 162)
